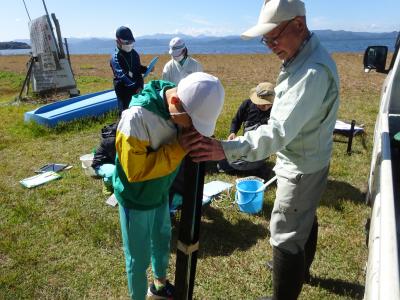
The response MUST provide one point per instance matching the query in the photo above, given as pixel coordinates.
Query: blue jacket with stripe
(128, 72)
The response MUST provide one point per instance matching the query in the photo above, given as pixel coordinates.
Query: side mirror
(375, 58)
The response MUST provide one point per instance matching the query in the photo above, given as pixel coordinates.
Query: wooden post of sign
(189, 228)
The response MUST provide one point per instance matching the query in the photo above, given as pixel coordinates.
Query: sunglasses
(125, 42)
(178, 47)
(274, 41)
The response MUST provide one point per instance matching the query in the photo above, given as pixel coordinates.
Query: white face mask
(178, 58)
(127, 48)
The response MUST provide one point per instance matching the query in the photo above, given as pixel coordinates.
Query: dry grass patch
(61, 241)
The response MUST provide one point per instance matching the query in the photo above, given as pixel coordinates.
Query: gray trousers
(297, 199)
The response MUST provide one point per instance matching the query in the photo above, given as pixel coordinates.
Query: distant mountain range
(158, 43)
(335, 41)
(323, 34)
(14, 45)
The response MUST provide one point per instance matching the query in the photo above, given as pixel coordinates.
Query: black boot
(309, 249)
(288, 275)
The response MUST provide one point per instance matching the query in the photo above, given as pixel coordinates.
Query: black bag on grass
(105, 153)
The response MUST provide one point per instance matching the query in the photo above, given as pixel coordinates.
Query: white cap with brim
(176, 46)
(274, 12)
(202, 97)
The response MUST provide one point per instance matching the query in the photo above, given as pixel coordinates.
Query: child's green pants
(146, 235)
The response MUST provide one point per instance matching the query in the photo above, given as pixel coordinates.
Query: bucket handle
(260, 189)
(244, 203)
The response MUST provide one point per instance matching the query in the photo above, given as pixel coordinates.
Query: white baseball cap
(176, 46)
(274, 12)
(202, 97)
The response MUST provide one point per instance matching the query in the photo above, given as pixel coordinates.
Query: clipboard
(51, 167)
(40, 179)
(151, 66)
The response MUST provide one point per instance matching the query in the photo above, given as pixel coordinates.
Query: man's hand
(207, 149)
(200, 148)
(231, 136)
(189, 138)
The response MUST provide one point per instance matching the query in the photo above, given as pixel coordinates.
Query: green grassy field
(61, 241)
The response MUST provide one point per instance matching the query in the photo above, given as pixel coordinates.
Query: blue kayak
(89, 105)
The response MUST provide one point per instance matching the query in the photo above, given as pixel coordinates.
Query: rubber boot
(310, 249)
(288, 274)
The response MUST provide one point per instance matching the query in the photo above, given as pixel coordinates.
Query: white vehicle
(382, 278)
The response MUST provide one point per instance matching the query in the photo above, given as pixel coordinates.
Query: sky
(100, 18)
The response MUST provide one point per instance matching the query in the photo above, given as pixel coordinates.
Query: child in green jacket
(148, 156)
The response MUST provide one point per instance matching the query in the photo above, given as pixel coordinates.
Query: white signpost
(51, 71)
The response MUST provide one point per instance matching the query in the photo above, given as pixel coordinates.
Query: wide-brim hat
(263, 93)
(274, 12)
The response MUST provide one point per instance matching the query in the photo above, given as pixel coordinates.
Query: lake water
(213, 47)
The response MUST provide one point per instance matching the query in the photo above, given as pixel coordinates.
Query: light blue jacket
(302, 119)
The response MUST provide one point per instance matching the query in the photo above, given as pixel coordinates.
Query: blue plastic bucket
(248, 200)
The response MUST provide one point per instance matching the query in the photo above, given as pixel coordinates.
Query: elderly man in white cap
(299, 131)
(181, 64)
(148, 156)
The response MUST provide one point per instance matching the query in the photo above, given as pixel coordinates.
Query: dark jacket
(128, 72)
(250, 116)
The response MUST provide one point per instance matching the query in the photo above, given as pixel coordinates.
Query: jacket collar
(304, 51)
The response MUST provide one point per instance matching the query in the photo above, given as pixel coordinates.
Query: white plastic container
(86, 161)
